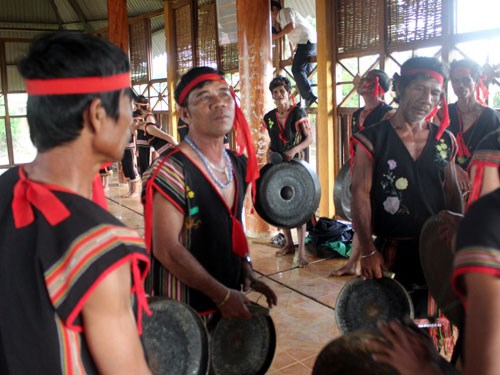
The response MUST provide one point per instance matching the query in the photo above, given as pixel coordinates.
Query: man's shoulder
(271, 113)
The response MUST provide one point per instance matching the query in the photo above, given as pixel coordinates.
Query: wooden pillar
(328, 133)
(256, 71)
(171, 50)
(118, 35)
(118, 23)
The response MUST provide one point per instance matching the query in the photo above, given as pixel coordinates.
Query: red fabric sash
(29, 193)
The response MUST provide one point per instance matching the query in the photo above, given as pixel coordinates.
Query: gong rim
(175, 339)
(288, 193)
(437, 260)
(342, 191)
(362, 303)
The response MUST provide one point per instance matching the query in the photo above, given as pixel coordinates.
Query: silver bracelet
(368, 255)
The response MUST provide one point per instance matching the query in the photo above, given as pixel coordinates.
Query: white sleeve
(285, 16)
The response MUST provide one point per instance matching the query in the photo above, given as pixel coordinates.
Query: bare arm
(454, 201)
(306, 142)
(157, 132)
(110, 327)
(491, 179)
(482, 336)
(361, 211)
(286, 30)
(167, 247)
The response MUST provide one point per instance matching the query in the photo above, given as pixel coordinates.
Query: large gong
(362, 303)
(342, 192)
(175, 339)
(288, 193)
(243, 347)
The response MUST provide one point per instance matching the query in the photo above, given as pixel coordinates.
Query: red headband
(378, 91)
(432, 73)
(204, 77)
(243, 135)
(77, 85)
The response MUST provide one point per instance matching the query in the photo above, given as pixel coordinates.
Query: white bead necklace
(210, 167)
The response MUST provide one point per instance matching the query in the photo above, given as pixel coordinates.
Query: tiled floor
(304, 317)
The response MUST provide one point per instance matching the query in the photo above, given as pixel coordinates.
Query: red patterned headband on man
(243, 135)
(77, 85)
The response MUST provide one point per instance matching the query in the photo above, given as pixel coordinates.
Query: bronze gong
(243, 347)
(288, 193)
(342, 192)
(362, 303)
(175, 339)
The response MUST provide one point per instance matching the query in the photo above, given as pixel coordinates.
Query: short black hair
(475, 68)
(188, 77)
(275, 4)
(280, 81)
(136, 113)
(427, 63)
(57, 119)
(141, 99)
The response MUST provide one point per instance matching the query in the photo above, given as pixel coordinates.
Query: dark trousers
(129, 164)
(144, 159)
(301, 68)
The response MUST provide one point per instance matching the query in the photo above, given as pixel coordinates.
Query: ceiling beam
(81, 16)
(56, 11)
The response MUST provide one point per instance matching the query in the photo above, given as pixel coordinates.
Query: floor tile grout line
(122, 205)
(297, 291)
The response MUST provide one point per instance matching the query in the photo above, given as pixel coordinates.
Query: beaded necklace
(210, 167)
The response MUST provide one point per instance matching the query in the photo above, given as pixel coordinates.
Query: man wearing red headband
(403, 173)
(68, 266)
(193, 202)
(371, 87)
(470, 119)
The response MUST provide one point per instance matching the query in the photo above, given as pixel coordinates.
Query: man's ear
(96, 115)
(184, 115)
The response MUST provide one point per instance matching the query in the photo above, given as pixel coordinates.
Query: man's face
(274, 13)
(365, 85)
(419, 99)
(280, 95)
(116, 134)
(463, 84)
(210, 109)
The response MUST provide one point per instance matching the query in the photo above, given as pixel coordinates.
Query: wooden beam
(5, 90)
(56, 11)
(118, 23)
(171, 49)
(256, 71)
(81, 15)
(327, 131)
